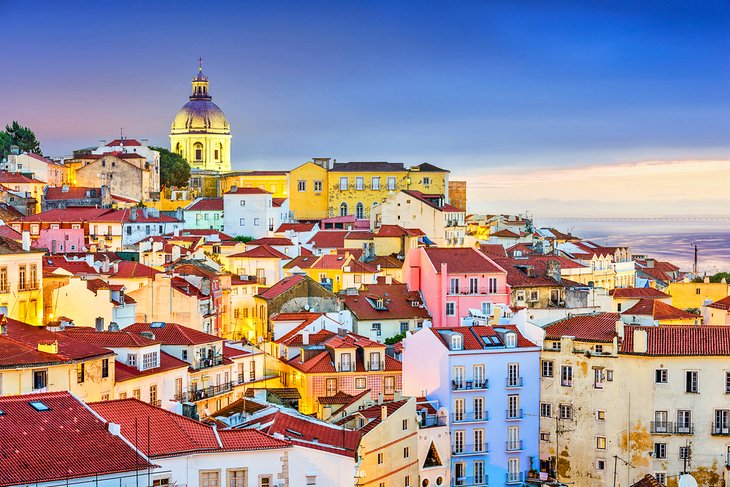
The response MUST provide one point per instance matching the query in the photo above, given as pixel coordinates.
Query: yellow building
(341, 271)
(275, 182)
(21, 282)
(308, 185)
(200, 132)
(688, 294)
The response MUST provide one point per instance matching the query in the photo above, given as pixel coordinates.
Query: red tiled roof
(659, 310)
(373, 415)
(14, 353)
(329, 239)
(16, 177)
(43, 446)
(655, 273)
(124, 216)
(174, 334)
(587, 328)
(504, 234)
(303, 318)
(64, 215)
(397, 300)
(492, 250)
(71, 193)
(461, 260)
(206, 204)
(261, 252)
(240, 190)
(277, 241)
(387, 262)
(76, 267)
(637, 293)
(648, 481)
(123, 372)
(302, 261)
(282, 286)
(295, 227)
(126, 269)
(474, 336)
(684, 340)
(68, 348)
(277, 202)
(358, 235)
(295, 339)
(398, 231)
(723, 303)
(423, 198)
(173, 434)
(109, 339)
(517, 273)
(124, 142)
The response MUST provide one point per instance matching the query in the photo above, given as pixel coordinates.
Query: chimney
(99, 323)
(383, 413)
(48, 346)
(389, 279)
(553, 270)
(650, 263)
(641, 340)
(341, 332)
(133, 214)
(620, 329)
(234, 189)
(305, 337)
(25, 240)
(4, 322)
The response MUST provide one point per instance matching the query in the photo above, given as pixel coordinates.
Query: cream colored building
(200, 131)
(21, 281)
(649, 395)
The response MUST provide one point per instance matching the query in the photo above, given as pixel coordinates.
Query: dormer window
(510, 340)
(457, 342)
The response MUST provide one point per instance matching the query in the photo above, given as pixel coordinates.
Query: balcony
(157, 403)
(469, 385)
(345, 367)
(204, 363)
(457, 450)
(513, 382)
(472, 292)
(28, 286)
(378, 365)
(514, 414)
(720, 429)
(470, 481)
(669, 428)
(432, 421)
(513, 446)
(470, 417)
(512, 478)
(192, 394)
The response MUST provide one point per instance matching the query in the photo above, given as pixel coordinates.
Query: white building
(133, 146)
(253, 212)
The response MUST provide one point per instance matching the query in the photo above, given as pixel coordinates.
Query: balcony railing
(669, 428)
(473, 291)
(514, 445)
(721, 429)
(379, 365)
(470, 481)
(192, 394)
(469, 385)
(469, 449)
(28, 286)
(514, 478)
(514, 414)
(513, 382)
(431, 421)
(204, 363)
(470, 417)
(346, 367)
(157, 403)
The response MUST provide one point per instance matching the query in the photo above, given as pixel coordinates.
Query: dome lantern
(200, 85)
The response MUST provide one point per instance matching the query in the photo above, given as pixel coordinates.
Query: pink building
(455, 280)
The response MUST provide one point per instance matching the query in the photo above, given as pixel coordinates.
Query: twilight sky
(561, 108)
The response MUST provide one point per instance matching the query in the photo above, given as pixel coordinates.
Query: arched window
(178, 148)
(218, 152)
(343, 209)
(198, 151)
(359, 211)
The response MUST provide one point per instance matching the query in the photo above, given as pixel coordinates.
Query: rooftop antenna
(694, 269)
(200, 64)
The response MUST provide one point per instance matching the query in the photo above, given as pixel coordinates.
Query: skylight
(39, 406)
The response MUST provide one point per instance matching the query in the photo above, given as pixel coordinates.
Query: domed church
(200, 132)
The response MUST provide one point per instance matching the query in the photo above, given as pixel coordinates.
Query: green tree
(23, 137)
(243, 238)
(395, 339)
(720, 276)
(174, 169)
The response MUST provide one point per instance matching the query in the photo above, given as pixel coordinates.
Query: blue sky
(472, 86)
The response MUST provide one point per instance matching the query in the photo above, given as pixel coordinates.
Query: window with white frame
(343, 183)
(547, 368)
(566, 375)
(454, 286)
(546, 410)
(456, 342)
(359, 183)
(391, 183)
(660, 451)
(692, 381)
(450, 309)
(565, 411)
(149, 360)
(375, 328)
(241, 222)
(600, 442)
(375, 183)
(661, 376)
(301, 186)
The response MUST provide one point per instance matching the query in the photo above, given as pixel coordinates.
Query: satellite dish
(686, 480)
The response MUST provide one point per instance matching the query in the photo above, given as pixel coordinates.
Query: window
(547, 368)
(376, 329)
(343, 209)
(478, 408)
(178, 387)
(513, 470)
(375, 183)
(105, 368)
(380, 458)
(243, 203)
(566, 375)
(513, 375)
(459, 442)
(450, 309)
(520, 295)
(331, 386)
(375, 363)
(722, 422)
(609, 375)
(4, 285)
(360, 383)
(600, 464)
(406, 450)
(727, 382)
(311, 480)
(544, 436)
(456, 342)
(359, 183)
(555, 346)
(492, 283)
(21, 278)
(510, 340)
(426, 181)
(600, 442)
(683, 452)
(198, 148)
(343, 183)
(661, 477)
(478, 376)
(256, 222)
(149, 360)
(237, 477)
(33, 277)
(565, 411)
(692, 381)
(301, 186)
(153, 394)
(599, 378)
(598, 349)
(459, 409)
(266, 481)
(534, 295)
(684, 421)
(318, 186)
(80, 375)
(389, 385)
(479, 444)
(513, 407)
(391, 183)
(661, 376)
(241, 222)
(453, 286)
(660, 450)
(601, 415)
(359, 211)
(345, 362)
(40, 379)
(546, 410)
(132, 359)
(403, 326)
(136, 394)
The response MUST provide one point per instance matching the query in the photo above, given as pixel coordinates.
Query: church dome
(200, 114)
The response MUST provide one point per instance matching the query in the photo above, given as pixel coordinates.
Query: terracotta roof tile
(174, 334)
(397, 300)
(329, 239)
(637, 293)
(69, 348)
(261, 252)
(282, 286)
(659, 310)
(588, 328)
(206, 204)
(683, 340)
(123, 372)
(723, 303)
(462, 260)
